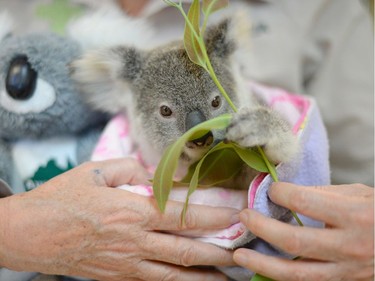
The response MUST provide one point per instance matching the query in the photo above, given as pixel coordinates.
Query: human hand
(343, 250)
(75, 225)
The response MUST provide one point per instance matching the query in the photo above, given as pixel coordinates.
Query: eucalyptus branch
(218, 84)
(200, 57)
(205, 63)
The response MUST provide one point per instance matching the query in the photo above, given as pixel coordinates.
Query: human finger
(184, 251)
(316, 243)
(283, 269)
(314, 202)
(196, 217)
(156, 271)
(116, 172)
(356, 189)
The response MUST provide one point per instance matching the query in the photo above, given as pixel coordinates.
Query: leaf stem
(273, 174)
(204, 25)
(298, 220)
(207, 63)
(271, 168)
(217, 83)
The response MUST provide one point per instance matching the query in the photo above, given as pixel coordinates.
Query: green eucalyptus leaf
(219, 164)
(271, 167)
(163, 178)
(211, 6)
(192, 35)
(251, 158)
(172, 3)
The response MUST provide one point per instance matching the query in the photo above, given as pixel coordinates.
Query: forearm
(24, 244)
(5, 218)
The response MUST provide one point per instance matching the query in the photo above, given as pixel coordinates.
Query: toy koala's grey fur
(38, 99)
(164, 94)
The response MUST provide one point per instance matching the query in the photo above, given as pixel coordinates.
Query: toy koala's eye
(216, 102)
(21, 79)
(165, 111)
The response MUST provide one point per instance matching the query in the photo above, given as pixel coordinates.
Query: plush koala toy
(45, 127)
(164, 94)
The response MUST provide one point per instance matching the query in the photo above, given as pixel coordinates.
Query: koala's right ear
(228, 37)
(104, 76)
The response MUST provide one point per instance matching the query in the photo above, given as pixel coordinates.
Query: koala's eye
(165, 111)
(216, 102)
(21, 79)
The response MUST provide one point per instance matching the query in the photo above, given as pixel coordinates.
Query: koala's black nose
(193, 119)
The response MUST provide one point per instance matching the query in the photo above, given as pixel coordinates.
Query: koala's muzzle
(192, 119)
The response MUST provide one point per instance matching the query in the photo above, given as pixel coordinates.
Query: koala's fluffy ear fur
(228, 37)
(104, 76)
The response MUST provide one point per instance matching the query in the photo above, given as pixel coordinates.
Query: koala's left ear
(226, 37)
(104, 76)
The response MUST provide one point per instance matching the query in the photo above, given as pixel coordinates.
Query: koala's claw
(261, 126)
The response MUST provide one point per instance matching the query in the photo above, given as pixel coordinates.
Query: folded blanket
(311, 167)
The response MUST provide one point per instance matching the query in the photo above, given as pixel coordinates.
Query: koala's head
(37, 96)
(162, 92)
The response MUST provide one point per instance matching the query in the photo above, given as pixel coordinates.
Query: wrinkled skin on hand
(75, 224)
(342, 251)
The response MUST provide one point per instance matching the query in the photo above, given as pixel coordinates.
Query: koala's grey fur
(139, 82)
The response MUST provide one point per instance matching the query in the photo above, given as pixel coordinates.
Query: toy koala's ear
(6, 25)
(226, 37)
(104, 76)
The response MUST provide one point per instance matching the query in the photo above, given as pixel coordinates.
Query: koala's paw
(263, 127)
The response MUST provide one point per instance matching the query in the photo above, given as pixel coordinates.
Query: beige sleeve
(341, 77)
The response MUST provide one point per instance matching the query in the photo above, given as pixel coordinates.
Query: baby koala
(163, 94)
